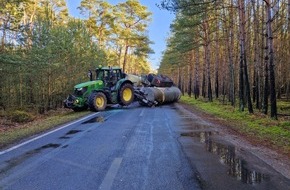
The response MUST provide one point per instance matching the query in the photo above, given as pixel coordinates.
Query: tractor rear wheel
(97, 101)
(126, 94)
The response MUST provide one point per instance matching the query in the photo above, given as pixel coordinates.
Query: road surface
(135, 148)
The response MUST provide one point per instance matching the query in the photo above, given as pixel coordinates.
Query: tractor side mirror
(90, 75)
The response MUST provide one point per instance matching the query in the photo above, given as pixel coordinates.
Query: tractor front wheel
(79, 109)
(98, 101)
(126, 94)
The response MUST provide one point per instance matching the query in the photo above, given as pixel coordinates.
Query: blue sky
(158, 29)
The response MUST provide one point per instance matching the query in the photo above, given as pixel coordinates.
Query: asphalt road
(134, 148)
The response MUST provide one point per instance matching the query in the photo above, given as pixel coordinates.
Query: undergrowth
(15, 132)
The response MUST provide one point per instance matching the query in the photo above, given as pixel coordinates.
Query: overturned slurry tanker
(150, 96)
(111, 86)
(156, 90)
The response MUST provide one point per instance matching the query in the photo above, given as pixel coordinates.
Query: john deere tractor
(109, 87)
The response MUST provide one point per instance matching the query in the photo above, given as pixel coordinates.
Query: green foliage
(51, 52)
(35, 127)
(20, 116)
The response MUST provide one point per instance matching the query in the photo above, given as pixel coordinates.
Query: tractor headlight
(77, 101)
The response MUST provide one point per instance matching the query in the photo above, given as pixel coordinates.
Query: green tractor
(110, 87)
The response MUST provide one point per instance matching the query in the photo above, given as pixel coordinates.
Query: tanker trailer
(150, 96)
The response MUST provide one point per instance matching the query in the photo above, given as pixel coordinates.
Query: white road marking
(43, 135)
(111, 174)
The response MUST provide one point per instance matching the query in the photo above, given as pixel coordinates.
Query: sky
(159, 28)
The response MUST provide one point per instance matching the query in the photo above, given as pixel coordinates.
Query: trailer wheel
(98, 101)
(126, 94)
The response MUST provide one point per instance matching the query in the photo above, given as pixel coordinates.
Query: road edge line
(45, 134)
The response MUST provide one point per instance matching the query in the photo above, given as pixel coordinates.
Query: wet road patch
(227, 155)
(202, 135)
(190, 126)
(9, 164)
(98, 119)
(65, 146)
(50, 145)
(238, 168)
(223, 160)
(64, 137)
(69, 133)
(72, 132)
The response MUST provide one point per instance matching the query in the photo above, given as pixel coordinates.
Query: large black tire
(97, 101)
(126, 94)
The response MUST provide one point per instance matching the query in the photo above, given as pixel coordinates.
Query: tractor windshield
(100, 74)
(103, 74)
(109, 75)
(80, 91)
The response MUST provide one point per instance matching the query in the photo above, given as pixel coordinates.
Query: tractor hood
(89, 83)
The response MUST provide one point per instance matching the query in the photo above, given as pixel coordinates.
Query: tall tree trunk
(248, 92)
(266, 77)
(125, 58)
(203, 90)
(271, 61)
(179, 78)
(207, 59)
(256, 83)
(242, 51)
(217, 69)
(229, 45)
(217, 59)
(244, 79)
(288, 90)
(209, 90)
(288, 78)
(182, 80)
(196, 75)
(189, 89)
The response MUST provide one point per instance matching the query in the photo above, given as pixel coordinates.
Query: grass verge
(256, 127)
(18, 132)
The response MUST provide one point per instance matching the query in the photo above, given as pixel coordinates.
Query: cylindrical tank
(162, 95)
(135, 79)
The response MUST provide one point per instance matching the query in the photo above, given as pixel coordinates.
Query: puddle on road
(50, 145)
(37, 150)
(65, 146)
(238, 168)
(202, 135)
(64, 137)
(72, 132)
(98, 119)
(188, 126)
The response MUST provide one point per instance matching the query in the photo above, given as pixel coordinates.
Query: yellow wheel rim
(100, 102)
(127, 94)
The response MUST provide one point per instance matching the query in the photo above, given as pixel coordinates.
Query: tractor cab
(109, 75)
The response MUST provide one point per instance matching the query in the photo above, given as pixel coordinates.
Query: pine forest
(44, 51)
(236, 51)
